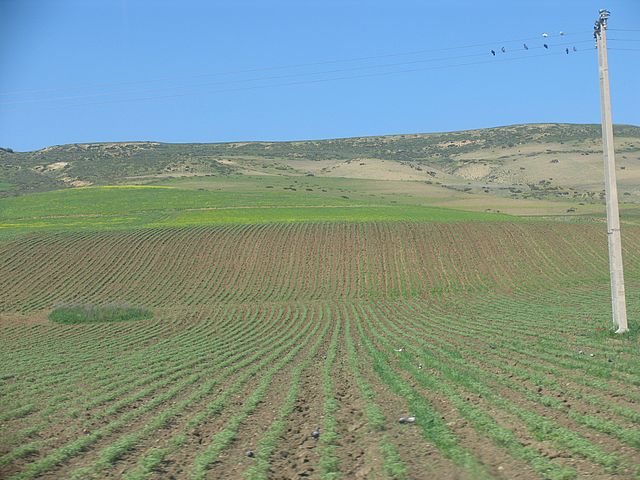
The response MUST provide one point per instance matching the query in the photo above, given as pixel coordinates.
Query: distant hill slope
(521, 159)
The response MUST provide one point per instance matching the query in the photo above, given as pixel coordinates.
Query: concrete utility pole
(611, 189)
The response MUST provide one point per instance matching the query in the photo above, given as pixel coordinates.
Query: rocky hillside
(523, 159)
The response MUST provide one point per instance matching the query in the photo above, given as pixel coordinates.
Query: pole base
(622, 330)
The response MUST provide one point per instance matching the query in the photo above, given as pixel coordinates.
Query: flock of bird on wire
(545, 45)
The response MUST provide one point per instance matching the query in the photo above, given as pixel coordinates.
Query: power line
(301, 65)
(294, 75)
(316, 81)
(254, 79)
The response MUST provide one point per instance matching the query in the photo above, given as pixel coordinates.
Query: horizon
(312, 139)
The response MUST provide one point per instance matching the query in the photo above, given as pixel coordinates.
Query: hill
(539, 161)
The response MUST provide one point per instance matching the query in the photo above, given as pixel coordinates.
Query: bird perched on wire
(545, 35)
(503, 49)
(493, 52)
(566, 50)
(525, 46)
(575, 49)
(545, 45)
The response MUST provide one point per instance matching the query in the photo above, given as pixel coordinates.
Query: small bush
(86, 313)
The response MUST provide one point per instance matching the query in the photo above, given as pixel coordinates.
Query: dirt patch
(473, 171)
(296, 454)
(56, 166)
(358, 447)
(15, 319)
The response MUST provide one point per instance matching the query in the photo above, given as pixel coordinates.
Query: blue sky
(206, 71)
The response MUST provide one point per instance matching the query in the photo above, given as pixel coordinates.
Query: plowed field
(494, 336)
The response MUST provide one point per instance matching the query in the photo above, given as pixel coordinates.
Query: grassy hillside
(539, 161)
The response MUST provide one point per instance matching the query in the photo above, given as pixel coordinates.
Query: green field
(118, 207)
(166, 329)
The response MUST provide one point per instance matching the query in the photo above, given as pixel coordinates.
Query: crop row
(449, 368)
(494, 368)
(79, 373)
(223, 355)
(195, 267)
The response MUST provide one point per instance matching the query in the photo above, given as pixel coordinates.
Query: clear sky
(207, 71)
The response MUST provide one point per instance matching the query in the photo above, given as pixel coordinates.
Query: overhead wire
(279, 77)
(291, 75)
(328, 72)
(282, 67)
(323, 80)
(618, 44)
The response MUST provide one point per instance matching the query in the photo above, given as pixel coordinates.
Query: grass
(266, 199)
(78, 314)
(392, 463)
(127, 207)
(356, 213)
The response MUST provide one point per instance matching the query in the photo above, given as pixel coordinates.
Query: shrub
(88, 313)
